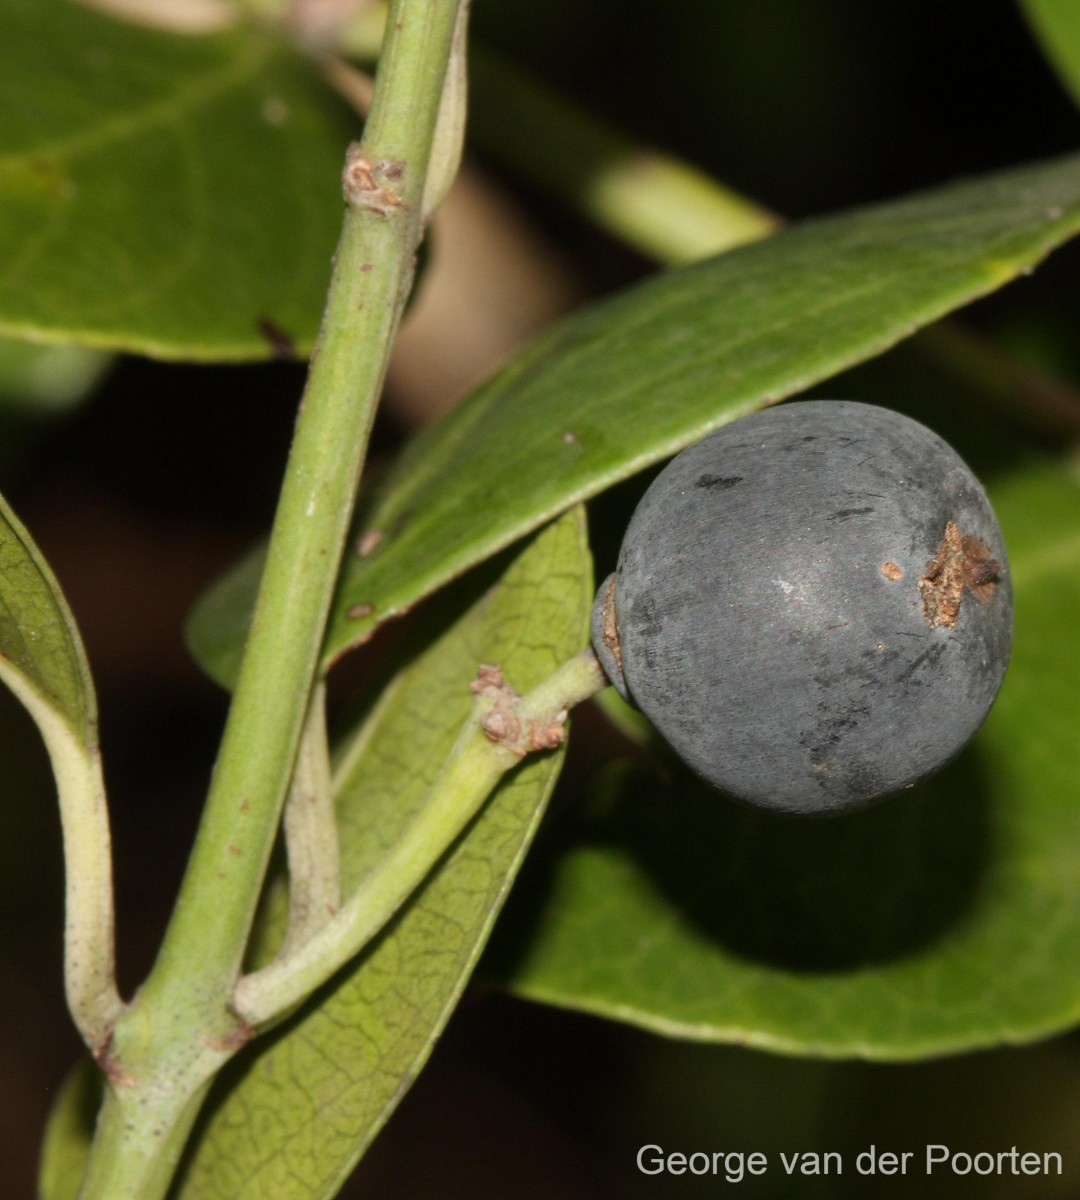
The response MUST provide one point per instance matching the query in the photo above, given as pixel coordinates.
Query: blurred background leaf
(1056, 23)
(172, 196)
(47, 379)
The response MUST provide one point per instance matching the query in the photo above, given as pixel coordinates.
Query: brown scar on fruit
(891, 571)
(962, 561)
(610, 631)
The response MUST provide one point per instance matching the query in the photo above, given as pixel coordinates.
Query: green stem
(179, 1030)
(135, 1154)
(476, 763)
(384, 183)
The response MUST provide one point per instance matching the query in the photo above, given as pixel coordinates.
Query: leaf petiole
(502, 728)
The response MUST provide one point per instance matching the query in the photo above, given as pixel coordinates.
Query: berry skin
(812, 606)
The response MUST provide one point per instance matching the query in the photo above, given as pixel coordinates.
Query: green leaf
(295, 1115)
(41, 656)
(69, 1132)
(43, 662)
(634, 379)
(167, 195)
(945, 919)
(1056, 23)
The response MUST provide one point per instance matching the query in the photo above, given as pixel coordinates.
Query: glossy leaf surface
(41, 656)
(294, 1116)
(175, 196)
(632, 380)
(43, 662)
(944, 919)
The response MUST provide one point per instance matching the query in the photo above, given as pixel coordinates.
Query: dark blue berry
(812, 606)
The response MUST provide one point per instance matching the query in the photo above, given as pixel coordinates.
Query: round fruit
(812, 606)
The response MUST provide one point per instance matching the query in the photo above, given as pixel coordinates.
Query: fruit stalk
(502, 728)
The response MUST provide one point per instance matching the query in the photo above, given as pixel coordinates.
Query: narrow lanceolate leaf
(1056, 23)
(294, 1117)
(69, 1132)
(40, 653)
(175, 196)
(42, 662)
(945, 919)
(635, 379)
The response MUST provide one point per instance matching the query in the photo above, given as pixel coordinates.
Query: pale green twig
(384, 183)
(501, 730)
(310, 827)
(89, 934)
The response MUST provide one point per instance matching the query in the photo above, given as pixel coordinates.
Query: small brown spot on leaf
(962, 561)
(891, 571)
(369, 542)
(359, 611)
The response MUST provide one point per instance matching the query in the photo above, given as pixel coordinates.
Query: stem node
(372, 186)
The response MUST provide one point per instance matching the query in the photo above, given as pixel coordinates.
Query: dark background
(145, 492)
